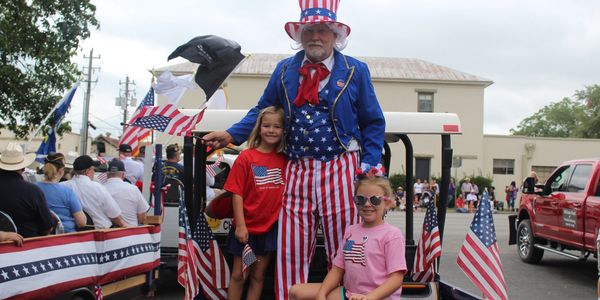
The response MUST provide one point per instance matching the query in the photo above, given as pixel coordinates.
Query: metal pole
(126, 103)
(86, 108)
(446, 166)
(410, 193)
(188, 161)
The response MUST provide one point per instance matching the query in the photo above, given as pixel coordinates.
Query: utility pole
(86, 103)
(126, 98)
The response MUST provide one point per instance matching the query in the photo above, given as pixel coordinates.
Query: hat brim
(28, 159)
(294, 29)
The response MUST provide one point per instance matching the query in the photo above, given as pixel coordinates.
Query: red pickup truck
(561, 216)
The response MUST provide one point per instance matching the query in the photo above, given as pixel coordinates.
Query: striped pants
(315, 191)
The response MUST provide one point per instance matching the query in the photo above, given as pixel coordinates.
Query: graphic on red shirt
(264, 175)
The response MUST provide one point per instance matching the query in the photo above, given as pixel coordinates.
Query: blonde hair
(254, 140)
(381, 182)
(54, 162)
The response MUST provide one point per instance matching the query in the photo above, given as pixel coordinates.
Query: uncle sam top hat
(317, 12)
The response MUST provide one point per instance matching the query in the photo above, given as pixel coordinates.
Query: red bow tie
(309, 88)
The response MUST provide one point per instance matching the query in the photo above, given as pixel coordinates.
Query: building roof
(382, 69)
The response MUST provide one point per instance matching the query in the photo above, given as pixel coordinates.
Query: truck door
(571, 206)
(546, 206)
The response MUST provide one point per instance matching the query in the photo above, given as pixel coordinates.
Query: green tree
(560, 119)
(37, 40)
(590, 126)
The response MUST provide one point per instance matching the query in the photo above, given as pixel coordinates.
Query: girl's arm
(389, 286)
(334, 276)
(241, 232)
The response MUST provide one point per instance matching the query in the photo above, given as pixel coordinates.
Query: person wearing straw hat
(23, 201)
(331, 112)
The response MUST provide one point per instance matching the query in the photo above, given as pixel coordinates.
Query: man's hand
(217, 139)
(11, 236)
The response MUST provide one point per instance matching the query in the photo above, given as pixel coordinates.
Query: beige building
(405, 84)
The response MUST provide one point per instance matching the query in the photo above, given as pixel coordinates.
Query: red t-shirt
(460, 202)
(259, 179)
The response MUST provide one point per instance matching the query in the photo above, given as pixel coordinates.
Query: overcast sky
(535, 51)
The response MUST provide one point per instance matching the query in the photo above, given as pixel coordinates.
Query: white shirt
(328, 62)
(134, 170)
(418, 188)
(95, 200)
(129, 198)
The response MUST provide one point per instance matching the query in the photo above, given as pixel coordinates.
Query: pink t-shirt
(368, 256)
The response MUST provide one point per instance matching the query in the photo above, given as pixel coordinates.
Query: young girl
(256, 182)
(371, 258)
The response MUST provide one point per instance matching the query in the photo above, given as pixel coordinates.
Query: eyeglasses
(360, 200)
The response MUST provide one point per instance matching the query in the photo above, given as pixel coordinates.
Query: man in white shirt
(95, 199)
(128, 196)
(134, 170)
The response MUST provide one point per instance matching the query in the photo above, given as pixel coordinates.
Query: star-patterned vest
(312, 133)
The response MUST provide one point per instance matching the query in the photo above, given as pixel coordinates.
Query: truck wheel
(525, 241)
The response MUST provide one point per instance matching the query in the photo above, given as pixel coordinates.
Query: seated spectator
(135, 169)
(128, 197)
(472, 200)
(23, 201)
(95, 199)
(460, 205)
(11, 237)
(61, 199)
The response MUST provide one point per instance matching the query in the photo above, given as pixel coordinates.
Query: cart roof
(396, 122)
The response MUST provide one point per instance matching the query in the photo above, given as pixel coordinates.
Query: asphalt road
(556, 277)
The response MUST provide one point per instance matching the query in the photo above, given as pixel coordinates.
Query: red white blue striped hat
(317, 12)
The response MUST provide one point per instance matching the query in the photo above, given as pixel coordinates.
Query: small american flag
(167, 119)
(263, 175)
(98, 292)
(248, 258)
(133, 134)
(429, 247)
(212, 169)
(479, 256)
(355, 252)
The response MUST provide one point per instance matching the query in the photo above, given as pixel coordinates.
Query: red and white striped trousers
(315, 191)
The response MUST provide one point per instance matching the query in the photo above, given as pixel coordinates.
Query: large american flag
(264, 175)
(429, 247)
(167, 119)
(479, 256)
(133, 134)
(200, 262)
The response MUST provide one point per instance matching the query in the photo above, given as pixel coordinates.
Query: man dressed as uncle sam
(333, 125)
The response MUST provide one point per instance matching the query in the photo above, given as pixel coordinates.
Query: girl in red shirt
(256, 181)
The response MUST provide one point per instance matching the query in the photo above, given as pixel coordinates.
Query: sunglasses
(362, 200)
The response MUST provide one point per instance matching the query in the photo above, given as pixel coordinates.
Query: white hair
(340, 41)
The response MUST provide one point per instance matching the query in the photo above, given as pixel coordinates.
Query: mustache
(315, 44)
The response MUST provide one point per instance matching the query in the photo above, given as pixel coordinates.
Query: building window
(425, 102)
(504, 166)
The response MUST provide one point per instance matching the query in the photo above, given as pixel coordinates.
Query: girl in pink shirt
(371, 257)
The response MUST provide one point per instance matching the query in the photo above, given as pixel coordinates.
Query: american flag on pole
(479, 256)
(133, 134)
(429, 247)
(263, 175)
(187, 259)
(200, 262)
(214, 271)
(167, 119)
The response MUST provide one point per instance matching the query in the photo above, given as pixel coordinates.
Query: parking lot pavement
(556, 277)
